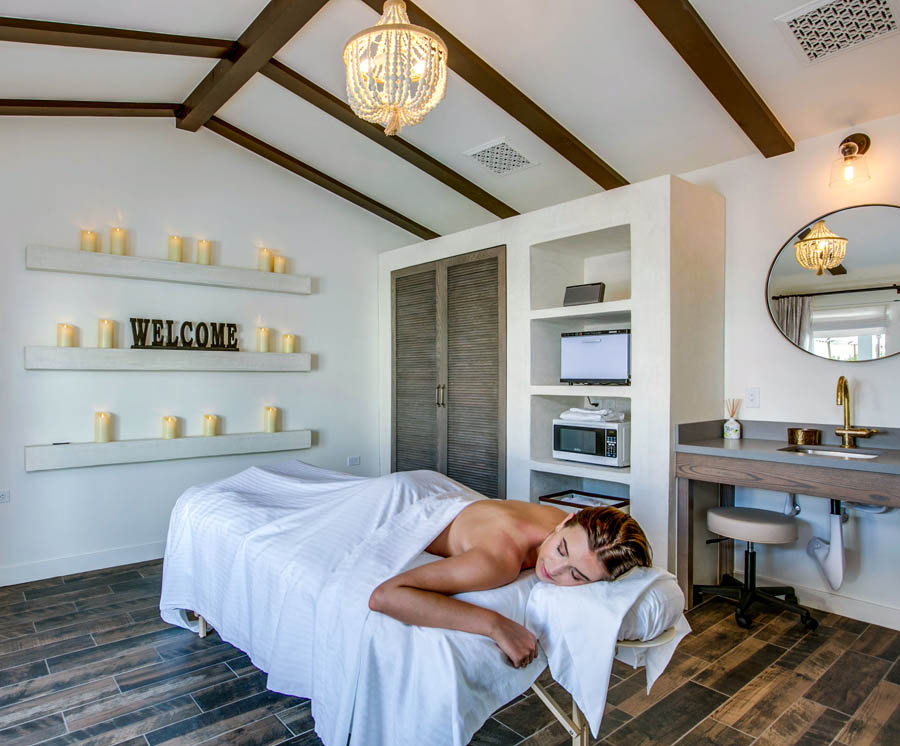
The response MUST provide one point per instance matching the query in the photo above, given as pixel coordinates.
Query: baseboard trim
(51, 568)
(836, 603)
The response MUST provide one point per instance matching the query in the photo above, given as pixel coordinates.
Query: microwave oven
(603, 443)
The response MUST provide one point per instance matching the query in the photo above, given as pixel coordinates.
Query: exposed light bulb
(848, 172)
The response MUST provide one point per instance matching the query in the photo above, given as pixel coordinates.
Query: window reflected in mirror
(851, 311)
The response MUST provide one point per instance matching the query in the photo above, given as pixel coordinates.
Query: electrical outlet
(751, 397)
(4, 496)
(352, 460)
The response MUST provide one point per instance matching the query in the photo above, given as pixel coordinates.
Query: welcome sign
(167, 334)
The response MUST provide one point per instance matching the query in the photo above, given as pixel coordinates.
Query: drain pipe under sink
(829, 555)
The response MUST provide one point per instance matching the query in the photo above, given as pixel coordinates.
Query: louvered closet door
(415, 416)
(474, 400)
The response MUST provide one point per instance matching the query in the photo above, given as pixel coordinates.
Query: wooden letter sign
(201, 335)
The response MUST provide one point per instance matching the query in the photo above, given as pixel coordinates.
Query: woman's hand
(520, 645)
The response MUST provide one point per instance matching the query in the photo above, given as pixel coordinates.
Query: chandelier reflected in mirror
(820, 249)
(396, 72)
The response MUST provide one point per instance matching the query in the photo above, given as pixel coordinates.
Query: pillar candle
(203, 249)
(102, 427)
(209, 424)
(170, 427)
(278, 264)
(88, 241)
(262, 339)
(270, 420)
(65, 335)
(175, 244)
(105, 332)
(264, 262)
(287, 343)
(117, 241)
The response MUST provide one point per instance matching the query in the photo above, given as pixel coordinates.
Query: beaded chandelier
(396, 72)
(820, 249)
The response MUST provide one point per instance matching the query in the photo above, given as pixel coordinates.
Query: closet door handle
(443, 389)
(437, 396)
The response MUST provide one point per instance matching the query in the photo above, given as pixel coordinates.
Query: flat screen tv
(596, 357)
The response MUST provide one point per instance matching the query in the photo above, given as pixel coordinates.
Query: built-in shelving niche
(597, 256)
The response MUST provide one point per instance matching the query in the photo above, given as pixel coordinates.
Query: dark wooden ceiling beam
(330, 104)
(55, 108)
(686, 31)
(469, 66)
(285, 160)
(97, 37)
(270, 31)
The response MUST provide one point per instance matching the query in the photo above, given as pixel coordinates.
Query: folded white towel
(602, 415)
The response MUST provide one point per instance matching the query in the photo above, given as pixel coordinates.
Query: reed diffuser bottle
(731, 430)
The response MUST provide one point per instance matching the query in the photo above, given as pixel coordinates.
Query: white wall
(767, 201)
(60, 175)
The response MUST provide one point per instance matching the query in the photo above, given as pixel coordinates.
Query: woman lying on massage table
(489, 543)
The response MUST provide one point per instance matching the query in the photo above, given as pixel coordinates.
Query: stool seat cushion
(752, 524)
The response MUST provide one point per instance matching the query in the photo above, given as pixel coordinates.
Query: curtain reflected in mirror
(850, 312)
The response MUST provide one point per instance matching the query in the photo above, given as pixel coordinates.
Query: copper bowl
(804, 436)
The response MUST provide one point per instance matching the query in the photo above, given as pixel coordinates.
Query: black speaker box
(577, 295)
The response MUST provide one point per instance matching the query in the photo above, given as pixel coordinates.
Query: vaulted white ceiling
(599, 67)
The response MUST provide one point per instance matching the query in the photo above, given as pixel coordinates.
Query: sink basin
(832, 452)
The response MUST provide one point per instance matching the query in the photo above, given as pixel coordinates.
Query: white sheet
(281, 561)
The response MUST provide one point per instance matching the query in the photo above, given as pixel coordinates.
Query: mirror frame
(772, 266)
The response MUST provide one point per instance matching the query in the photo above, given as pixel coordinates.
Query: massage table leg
(576, 726)
(204, 627)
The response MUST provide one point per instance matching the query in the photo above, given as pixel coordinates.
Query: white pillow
(655, 610)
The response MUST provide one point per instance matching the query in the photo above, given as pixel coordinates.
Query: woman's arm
(420, 596)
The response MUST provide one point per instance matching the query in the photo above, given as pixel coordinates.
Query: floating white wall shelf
(75, 455)
(93, 358)
(73, 261)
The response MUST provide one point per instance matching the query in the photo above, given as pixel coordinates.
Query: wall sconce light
(851, 168)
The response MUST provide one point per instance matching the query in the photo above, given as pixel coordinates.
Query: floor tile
(877, 721)
(40, 652)
(153, 674)
(804, 722)
(298, 718)
(718, 639)
(54, 702)
(845, 686)
(713, 733)
(263, 732)
(18, 674)
(880, 642)
(33, 731)
(100, 652)
(67, 589)
(493, 733)
(670, 718)
(631, 695)
(739, 666)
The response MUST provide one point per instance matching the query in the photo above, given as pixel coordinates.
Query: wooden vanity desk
(709, 464)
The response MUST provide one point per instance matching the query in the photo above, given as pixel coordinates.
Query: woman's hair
(616, 538)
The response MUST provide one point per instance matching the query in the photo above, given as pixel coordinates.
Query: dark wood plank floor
(85, 659)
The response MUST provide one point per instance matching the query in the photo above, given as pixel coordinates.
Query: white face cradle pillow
(579, 626)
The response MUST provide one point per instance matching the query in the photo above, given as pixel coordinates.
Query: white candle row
(106, 329)
(103, 425)
(267, 260)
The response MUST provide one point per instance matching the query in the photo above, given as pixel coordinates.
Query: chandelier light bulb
(820, 249)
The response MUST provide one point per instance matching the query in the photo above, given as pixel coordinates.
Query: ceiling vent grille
(500, 157)
(825, 29)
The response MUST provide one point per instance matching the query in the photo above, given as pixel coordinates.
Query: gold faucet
(848, 433)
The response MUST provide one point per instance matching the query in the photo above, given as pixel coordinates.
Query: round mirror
(834, 288)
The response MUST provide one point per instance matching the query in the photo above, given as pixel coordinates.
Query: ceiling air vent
(823, 29)
(500, 157)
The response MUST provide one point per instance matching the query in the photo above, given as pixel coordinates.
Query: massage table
(239, 555)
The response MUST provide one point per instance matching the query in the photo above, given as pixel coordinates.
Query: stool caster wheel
(791, 598)
(809, 622)
(744, 620)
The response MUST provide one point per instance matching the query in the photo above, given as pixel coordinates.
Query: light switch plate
(352, 460)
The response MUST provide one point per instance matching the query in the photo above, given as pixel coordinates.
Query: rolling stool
(753, 526)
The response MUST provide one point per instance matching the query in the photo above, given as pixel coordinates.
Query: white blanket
(282, 560)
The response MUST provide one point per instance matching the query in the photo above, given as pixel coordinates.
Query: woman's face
(565, 558)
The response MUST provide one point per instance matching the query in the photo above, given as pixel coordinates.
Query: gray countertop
(765, 440)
